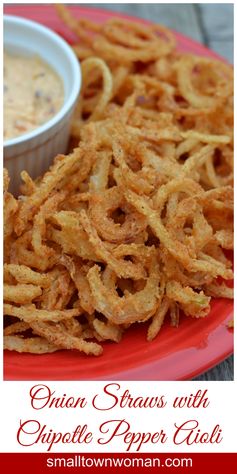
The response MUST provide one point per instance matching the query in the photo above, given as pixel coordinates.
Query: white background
(15, 406)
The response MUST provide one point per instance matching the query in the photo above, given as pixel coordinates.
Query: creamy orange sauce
(33, 94)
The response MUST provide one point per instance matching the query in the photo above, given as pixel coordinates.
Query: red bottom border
(119, 463)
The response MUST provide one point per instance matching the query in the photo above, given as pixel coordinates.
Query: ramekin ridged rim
(69, 103)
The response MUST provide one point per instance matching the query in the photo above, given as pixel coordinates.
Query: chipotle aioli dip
(33, 94)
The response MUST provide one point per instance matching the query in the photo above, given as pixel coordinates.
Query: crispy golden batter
(133, 224)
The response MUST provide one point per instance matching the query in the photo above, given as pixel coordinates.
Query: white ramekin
(34, 151)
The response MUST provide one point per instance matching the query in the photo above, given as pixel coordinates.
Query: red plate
(176, 354)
